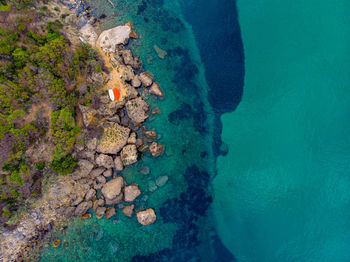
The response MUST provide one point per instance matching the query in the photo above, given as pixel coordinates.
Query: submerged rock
(128, 210)
(131, 192)
(156, 149)
(113, 187)
(129, 155)
(161, 181)
(160, 52)
(146, 217)
(137, 110)
(113, 139)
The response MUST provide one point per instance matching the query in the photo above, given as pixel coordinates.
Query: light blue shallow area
(283, 191)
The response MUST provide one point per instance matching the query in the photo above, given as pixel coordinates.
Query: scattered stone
(146, 217)
(151, 134)
(156, 90)
(108, 173)
(145, 170)
(118, 164)
(128, 210)
(110, 212)
(113, 187)
(129, 155)
(113, 139)
(156, 149)
(90, 195)
(137, 110)
(101, 179)
(131, 192)
(105, 161)
(160, 52)
(132, 139)
(146, 78)
(96, 172)
(91, 144)
(82, 208)
(161, 181)
(100, 211)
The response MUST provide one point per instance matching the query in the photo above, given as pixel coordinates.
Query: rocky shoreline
(112, 138)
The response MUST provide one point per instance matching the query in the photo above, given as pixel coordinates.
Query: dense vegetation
(40, 79)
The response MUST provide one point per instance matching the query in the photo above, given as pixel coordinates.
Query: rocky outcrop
(156, 90)
(131, 192)
(109, 39)
(137, 110)
(129, 155)
(129, 59)
(146, 78)
(105, 161)
(113, 188)
(128, 210)
(146, 217)
(113, 139)
(156, 149)
(88, 34)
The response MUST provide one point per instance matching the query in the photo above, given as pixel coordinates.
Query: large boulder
(146, 78)
(156, 149)
(156, 90)
(146, 217)
(88, 114)
(137, 110)
(105, 161)
(129, 155)
(131, 192)
(118, 164)
(88, 34)
(136, 82)
(97, 172)
(109, 39)
(82, 208)
(128, 210)
(113, 139)
(113, 187)
(84, 169)
(90, 195)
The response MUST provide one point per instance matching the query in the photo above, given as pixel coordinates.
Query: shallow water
(283, 191)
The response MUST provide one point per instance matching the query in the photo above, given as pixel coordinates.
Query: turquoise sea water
(282, 193)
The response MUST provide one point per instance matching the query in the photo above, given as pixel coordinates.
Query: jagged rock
(146, 217)
(110, 212)
(82, 208)
(105, 161)
(88, 155)
(77, 201)
(145, 170)
(129, 155)
(131, 192)
(109, 39)
(161, 181)
(156, 149)
(128, 210)
(115, 200)
(101, 180)
(108, 172)
(91, 144)
(160, 52)
(137, 110)
(113, 187)
(129, 59)
(128, 72)
(100, 211)
(131, 92)
(132, 138)
(96, 172)
(118, 164)
(84, 169)
(156, 90)
(151, 134)
(90, 195)
(88, 114)
(146, 78)
(113, 139)
(98, 203)
(88, 34)
(136, 82)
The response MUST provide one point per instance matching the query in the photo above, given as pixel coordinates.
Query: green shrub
(64, 166)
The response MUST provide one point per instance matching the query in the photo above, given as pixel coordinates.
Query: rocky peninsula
(112, 137)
